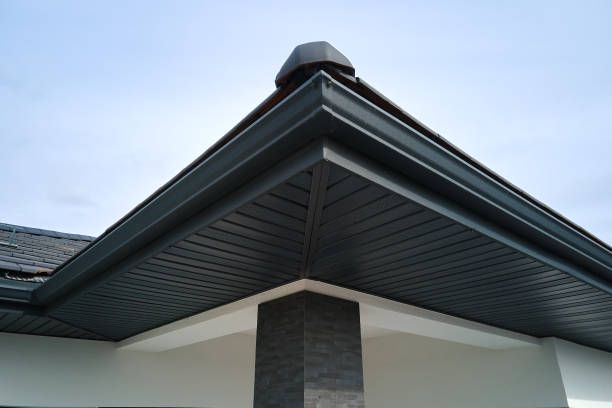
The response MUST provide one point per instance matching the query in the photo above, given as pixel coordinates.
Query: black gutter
(391, 140)
(198, 186)
(47, 292)
(264, 107)
(14, 291)
(368, 92)
(16, 297)
(272, 100)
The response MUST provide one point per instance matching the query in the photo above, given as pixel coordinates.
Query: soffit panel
(255, 248)
(376, 241)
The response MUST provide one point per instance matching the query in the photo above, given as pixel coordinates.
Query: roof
(367, 91)
(328, 180)
(32, 254)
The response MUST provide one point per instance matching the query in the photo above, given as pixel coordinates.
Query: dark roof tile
(32, 254)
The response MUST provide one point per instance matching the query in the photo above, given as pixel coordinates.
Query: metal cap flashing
(310, 57)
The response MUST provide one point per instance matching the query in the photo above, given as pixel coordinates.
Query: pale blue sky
(102, 102)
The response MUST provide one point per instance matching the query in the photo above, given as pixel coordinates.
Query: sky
(103, 102)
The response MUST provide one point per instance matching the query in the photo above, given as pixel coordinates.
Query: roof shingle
(32, 254)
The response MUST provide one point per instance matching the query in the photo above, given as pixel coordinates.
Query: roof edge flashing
(255, 146)
(351, 107)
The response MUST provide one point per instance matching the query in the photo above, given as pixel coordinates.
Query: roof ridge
(44, 232)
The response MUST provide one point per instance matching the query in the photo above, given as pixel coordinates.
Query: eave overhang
(209, 189)
(328, 124)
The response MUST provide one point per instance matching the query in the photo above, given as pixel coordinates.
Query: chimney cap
(313, 54)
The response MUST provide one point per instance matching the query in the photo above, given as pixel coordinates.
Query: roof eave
(323, 106)
(384, 138)
(292, 123)
(19, 292)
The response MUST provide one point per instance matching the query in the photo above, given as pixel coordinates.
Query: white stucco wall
(405, 370)
(586, 373)
(399, 370)
(44, 371)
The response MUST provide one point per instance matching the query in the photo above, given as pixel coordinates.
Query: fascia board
(365, 128)
(292, 124)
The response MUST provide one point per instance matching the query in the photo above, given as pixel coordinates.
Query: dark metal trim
(290, 124)
(375, 133)
(301, 160)
(399, 184)
(365, 90)
(381, 136)
(318, 188)
(364, 139)
(17, 291)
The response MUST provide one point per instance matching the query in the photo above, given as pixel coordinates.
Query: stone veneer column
(308, 353)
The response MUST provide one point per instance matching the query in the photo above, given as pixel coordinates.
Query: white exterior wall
(586, 373)
(399, 370)
(405, 370)
(44, 371)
